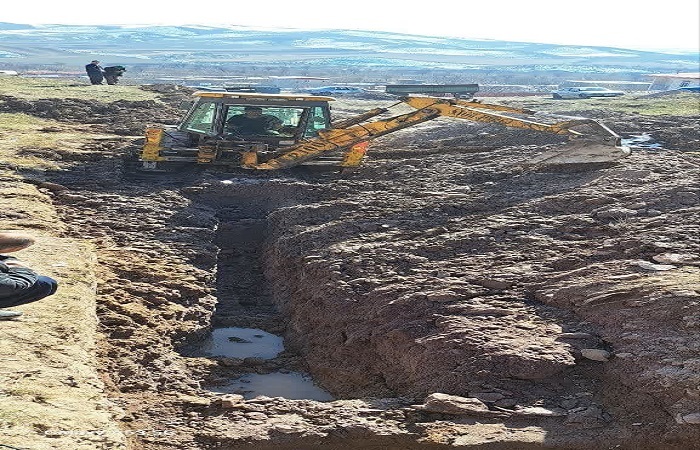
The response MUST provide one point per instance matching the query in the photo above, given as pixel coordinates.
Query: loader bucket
(582, 151)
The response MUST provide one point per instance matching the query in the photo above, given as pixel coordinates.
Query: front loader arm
(349, 132)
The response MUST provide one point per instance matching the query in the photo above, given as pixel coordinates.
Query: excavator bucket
(590, 142)
(581, 151)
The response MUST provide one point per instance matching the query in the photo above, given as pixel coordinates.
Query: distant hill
(73, 46)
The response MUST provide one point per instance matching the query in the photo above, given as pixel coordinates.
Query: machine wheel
(132, 169)
(131, 164)
(583, 96)
(557, 96)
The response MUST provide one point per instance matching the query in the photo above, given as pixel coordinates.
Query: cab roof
(256, 95)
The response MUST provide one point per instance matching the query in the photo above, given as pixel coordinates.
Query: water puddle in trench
(291, 385)
(235, 342)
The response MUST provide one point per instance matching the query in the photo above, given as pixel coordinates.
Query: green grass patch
(43, 88)
(19, 130)
(30, 142)
(20, 122)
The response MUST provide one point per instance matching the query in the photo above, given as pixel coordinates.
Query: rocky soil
(447, 294)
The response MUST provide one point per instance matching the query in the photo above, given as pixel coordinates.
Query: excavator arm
(597, 144)
(344, 138)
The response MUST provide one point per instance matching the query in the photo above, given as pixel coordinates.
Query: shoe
(5, 315)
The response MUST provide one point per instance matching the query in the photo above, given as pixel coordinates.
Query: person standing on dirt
(113, 73)
(253, 121)
(19, 284)
(95, 72)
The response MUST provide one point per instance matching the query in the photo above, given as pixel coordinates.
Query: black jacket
(115, 70)
(94, 70)
(253, 125)
(15, 280)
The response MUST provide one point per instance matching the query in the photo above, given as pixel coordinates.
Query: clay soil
(447, 294)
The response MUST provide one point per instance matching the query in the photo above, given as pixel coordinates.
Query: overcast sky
(638, 24)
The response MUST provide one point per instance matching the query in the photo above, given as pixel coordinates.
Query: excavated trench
(246, 326)
(183, 261)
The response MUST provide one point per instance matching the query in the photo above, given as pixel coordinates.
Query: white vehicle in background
(585, 92)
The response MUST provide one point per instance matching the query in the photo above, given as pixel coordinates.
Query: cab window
(290, 117)
(201, 119)
(317, 121)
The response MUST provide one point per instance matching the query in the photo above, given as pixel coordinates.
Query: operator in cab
(253, 122)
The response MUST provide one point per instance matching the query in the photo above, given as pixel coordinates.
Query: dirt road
(446, 294)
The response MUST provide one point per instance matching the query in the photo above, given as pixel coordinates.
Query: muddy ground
(447, 294)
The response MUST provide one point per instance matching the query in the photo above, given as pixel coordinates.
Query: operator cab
(300, 117)
(206, 135)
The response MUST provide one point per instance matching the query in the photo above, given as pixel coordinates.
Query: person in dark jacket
(95, 72)
(253, 121)
(112, 73)
(19, 284)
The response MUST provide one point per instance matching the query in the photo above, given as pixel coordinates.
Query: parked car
(585, 92)
(336, 90)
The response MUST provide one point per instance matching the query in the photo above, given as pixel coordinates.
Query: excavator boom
(598, 144)
(344, 138)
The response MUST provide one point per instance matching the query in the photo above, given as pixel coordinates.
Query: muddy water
(643, 140)
(290, 385)
(235, 342)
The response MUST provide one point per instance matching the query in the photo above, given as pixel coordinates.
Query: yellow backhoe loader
(288, 130)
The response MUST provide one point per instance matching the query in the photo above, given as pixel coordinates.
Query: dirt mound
(120, 117)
